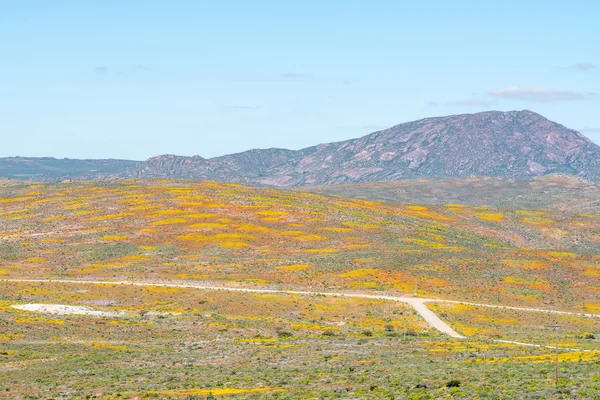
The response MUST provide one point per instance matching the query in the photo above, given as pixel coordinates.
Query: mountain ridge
(513, 144)
(450, 146)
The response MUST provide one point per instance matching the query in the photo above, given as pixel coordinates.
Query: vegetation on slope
(189, 344)
(554, 192)
(238, 235)
(166, 342)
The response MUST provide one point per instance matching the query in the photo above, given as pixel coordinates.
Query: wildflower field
(180, 342)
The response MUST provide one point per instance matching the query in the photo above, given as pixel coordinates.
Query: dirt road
(418, 304)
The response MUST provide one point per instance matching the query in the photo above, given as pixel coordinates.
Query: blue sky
(134, 79)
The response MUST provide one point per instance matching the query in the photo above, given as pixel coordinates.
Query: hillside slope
(269, 238)
(553, 192)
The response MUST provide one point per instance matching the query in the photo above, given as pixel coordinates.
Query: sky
(134, 79)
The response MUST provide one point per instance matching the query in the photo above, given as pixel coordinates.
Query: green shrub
(453, 383)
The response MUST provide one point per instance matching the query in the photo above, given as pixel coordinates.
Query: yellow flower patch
(33, 320)
(538, 220)
(107, 346)
(456, 206)
(416, 208)
(50, 240)
(170, 221)
(355, 247)
(292, 233)
(113, 238)
(16, 199)
(524, 280)
(84, 212)
(494, 217)
(327, 250)
(360, 225)
(159, 213)
(525, 264)
(199, 237)
(206, 225)
(429, 244)
(134, 258)
(216, 205)
(233, 245)
(591, 272)
(293, 267)
(575, 356)
(310, 238)
(216, 391)
(200, 215)
(594, 216)
(53, 218)
(338, 229)
(10, 337)
(359, 272)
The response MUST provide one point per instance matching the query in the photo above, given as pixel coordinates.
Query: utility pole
(556, 374)
(556, 327)
(484, 352)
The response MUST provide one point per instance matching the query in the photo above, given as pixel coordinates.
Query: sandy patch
(64, 310)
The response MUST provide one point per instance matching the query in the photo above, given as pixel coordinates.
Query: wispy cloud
(239, 107)
(472, 103)
(140, 67)
(590, 130)
(350, 81)
(296, 75)
(464, 103)
(539, 94)
(583, 67)
(101, 70)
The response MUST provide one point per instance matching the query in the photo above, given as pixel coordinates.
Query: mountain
(53, 169)
(252, 166)
(514, 144)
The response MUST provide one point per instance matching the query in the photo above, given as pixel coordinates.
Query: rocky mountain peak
(517, 144)
(511, 144)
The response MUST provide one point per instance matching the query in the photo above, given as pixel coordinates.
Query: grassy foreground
(186, 343)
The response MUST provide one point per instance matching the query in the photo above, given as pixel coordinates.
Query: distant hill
(564, 193)
(515, 144)
(53, 169)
